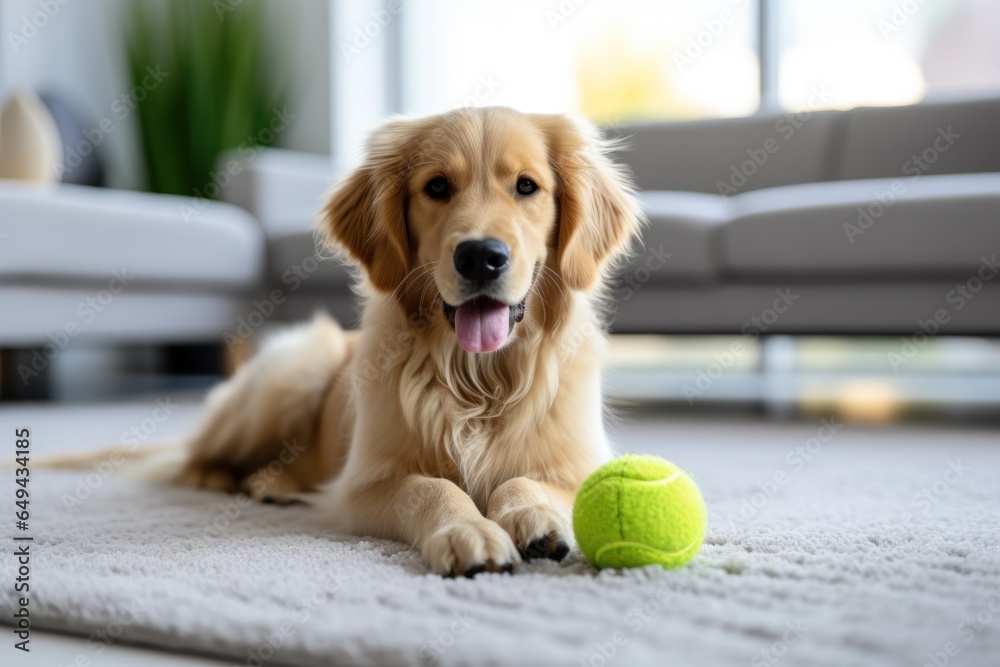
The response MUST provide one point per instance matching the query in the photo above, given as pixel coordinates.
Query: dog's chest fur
(480, 420)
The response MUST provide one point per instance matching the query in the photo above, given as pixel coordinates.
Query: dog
(464, 414)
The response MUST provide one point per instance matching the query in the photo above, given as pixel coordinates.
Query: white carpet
(872, 553)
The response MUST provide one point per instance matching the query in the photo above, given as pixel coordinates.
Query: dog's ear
(365, 214)
(598, 215)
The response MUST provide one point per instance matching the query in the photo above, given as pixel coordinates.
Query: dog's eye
(438, 188)
(526, 186)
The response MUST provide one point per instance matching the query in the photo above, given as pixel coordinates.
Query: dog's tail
(161, 462)
(250, 421)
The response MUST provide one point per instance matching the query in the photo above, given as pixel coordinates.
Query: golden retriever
(466, 412)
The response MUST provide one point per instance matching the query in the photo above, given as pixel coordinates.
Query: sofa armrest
(678, 243)
(75, 235)
(283, 189)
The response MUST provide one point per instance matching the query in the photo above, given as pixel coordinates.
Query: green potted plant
(212, 92)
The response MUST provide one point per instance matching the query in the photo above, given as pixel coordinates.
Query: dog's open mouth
(483, 324)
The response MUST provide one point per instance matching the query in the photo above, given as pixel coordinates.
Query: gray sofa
(120, 266)
(878, 220)
(83, 266)
(869, 221)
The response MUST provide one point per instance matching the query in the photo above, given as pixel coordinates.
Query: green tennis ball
(639, 510)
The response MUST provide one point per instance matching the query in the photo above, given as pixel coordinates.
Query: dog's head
(470, 210)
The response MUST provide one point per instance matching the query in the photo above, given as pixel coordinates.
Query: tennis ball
(639, 510)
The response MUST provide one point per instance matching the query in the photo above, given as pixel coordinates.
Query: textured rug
(827, 545)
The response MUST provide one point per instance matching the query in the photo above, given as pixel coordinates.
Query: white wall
(74, 52)
(301, 37)
(365, 34)
(78, 52)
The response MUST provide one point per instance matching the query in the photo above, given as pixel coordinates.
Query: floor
(80, 427)
(750, 451)
(54, 650)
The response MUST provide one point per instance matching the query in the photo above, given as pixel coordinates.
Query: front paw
(470, 548)
(539, 531)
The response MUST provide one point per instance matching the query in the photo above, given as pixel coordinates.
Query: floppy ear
(598, 216)
(365, 214)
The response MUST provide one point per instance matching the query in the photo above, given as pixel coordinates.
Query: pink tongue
(482, 325)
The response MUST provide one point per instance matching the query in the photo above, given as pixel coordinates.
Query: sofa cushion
(940, 138)
(743, 154)
(931, 225)
(296, 260)
(78, 233)
(678, 244)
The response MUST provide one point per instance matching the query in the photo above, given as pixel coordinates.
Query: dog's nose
(482, 260)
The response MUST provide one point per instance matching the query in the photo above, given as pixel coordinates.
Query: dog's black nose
(482, 260)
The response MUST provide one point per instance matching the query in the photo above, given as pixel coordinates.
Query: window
(885, 52)
(617, 61)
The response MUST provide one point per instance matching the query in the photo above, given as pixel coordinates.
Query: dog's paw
(210, 477)
(282, 499)
(467, 549)
(538, 531)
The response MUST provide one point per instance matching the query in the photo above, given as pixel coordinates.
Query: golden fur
(472, 458)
